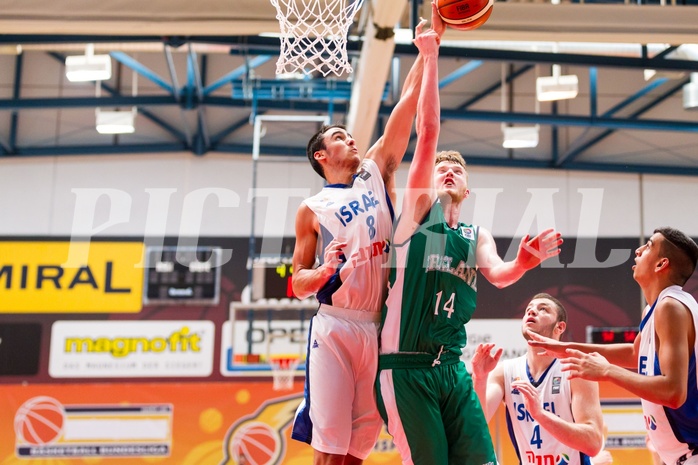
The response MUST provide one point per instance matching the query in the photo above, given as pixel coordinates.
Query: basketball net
(283, 368)
(314, 35)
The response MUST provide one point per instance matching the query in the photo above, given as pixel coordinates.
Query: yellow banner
(71, 277)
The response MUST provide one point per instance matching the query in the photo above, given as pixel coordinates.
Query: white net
(314, 35)
(283, 368)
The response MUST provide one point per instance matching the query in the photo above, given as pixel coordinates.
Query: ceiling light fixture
(557, 87)
(116, 121)
(88, 67)
(521, 137)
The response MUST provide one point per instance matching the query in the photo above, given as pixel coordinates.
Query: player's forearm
(480, 386)
(622, 355)
(429, 112)
(579, 436)
(504, 274)
(309, 281)
(658, 389)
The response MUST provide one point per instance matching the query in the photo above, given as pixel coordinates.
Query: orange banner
(211, 423)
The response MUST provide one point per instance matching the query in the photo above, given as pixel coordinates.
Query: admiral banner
(71, 277)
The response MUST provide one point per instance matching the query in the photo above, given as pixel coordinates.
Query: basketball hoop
(283, 368)
(314, 35)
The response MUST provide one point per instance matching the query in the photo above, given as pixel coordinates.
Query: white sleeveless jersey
(674, 432)
(361, 215)
(535, 445)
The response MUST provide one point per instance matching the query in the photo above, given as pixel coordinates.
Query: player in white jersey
(551, 419)
(664, 352)
(350, 223)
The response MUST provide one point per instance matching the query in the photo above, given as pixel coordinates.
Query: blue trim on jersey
(647, 317)
(512, 436)
(302, 424)
(390, 205)
(684, 420)
(542, 377)
(340, 185)
(584, 459)
(324, 295)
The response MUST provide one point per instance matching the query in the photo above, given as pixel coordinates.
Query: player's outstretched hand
(426, 40)
(546, 345)
(592, 366)
(437, 23)
(484, 360)
(533, 251)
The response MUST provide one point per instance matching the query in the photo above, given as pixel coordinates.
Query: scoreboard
(184, 275)
(612, 334)
(271, 278)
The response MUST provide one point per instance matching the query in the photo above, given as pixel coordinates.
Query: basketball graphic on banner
(39, 420)
(255, 443)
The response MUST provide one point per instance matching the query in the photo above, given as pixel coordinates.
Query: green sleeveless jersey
(433, 288)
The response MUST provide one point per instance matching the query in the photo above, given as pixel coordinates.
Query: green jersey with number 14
(433, 288)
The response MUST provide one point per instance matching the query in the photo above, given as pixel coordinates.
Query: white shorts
(339, 413)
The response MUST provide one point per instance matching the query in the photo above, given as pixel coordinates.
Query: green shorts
(433, 413)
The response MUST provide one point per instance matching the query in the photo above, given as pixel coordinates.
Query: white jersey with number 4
(361, 215)
(673, 432)
(535, 445)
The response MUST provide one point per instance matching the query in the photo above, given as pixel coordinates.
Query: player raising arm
(664, 351)
(350, 221)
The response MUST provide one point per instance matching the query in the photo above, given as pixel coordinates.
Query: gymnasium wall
(180, 194)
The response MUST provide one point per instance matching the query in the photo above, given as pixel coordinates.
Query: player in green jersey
(423, 389)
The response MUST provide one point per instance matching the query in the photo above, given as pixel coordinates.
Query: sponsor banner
(254, 334)
(232, 422)
(504, 333)
(46, 428)
(223, 423)
(131, 349)
(71, 277)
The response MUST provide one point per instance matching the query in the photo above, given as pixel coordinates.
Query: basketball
(465, 15)
(39, 420)
(255, 443)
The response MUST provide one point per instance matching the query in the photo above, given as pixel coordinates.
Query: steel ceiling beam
(460, 72)
(142, 70)
(300, 152)
(145, 112)
(576, 151)
(260, 45)
(305, 106)
(14, 116)
(237, 73)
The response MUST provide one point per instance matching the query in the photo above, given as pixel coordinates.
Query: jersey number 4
(535, 437)
(448, 305)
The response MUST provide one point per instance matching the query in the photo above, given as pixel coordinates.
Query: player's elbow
(676, 398)
(300, 290)
(595, 444)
